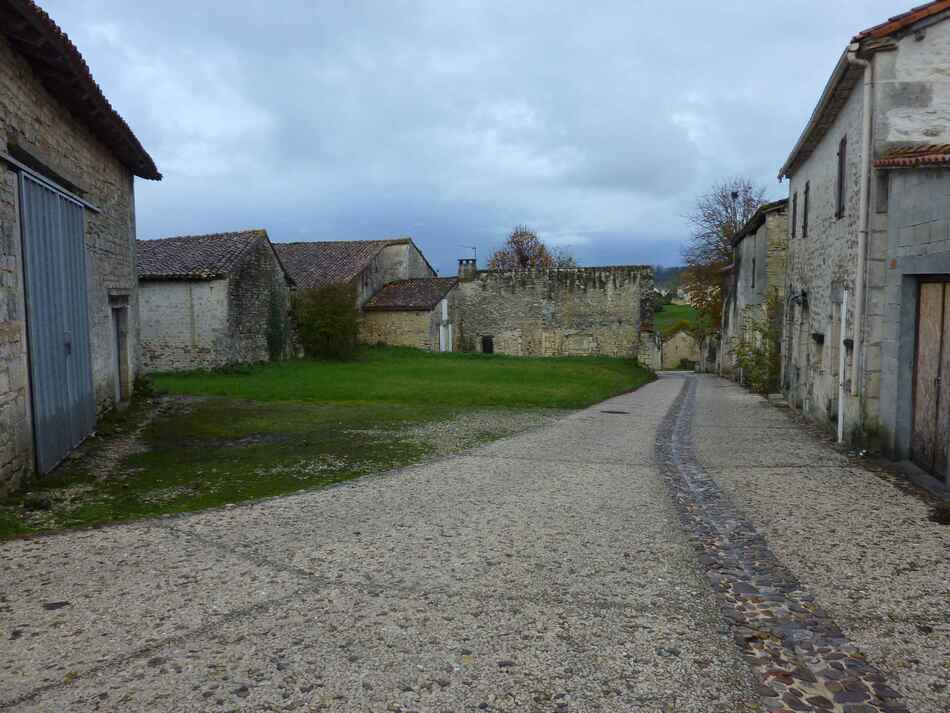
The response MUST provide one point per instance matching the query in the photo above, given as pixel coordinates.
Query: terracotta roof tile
(317, 264)
(914, 156)
(416, 294)
(65, 74)
(193, 257)
(905, 19)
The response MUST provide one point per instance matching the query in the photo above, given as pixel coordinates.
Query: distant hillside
(667, 278)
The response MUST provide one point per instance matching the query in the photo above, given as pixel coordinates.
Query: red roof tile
(317, 264)
(193, 257)
(65, 74)
(416, 294)
(905, 19)
(915, 156)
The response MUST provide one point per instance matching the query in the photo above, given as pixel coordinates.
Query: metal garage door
(64, 404)
(931, 434)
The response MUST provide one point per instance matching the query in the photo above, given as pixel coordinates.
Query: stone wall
(679, 348)
(401, 261)
(184, 324)
(35, 122)
(258, 301)
(416, 328)
(555, 312)
(911, 104)
(822, 265)
(765, 252)
(919, 247)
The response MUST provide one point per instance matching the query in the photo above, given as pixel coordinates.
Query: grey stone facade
(757, 274)
(34, 122)
(552, 312)
(906, 239)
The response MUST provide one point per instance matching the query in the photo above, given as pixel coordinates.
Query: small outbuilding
(207, 301)
(412, 313)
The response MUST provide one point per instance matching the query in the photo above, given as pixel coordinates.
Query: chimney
(467, 269)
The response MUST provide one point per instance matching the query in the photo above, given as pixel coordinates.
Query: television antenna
(473, 248)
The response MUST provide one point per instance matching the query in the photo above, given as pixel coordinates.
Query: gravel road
(549, 571)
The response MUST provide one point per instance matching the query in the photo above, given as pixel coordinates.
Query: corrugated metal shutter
(64, 404)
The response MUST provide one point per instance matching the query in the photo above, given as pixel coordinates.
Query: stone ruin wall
(554, 312)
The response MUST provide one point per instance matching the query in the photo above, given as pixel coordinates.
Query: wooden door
(931, 430)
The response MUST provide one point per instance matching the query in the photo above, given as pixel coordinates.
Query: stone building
(206, 301)
(367, 265)
(757, 274)
(869, 254)
(551, 312)
(68, 312)
(412, 313)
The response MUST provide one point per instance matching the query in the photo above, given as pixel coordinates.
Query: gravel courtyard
(555, 570)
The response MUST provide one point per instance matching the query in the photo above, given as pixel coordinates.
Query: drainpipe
(863, 216)
(842, 365)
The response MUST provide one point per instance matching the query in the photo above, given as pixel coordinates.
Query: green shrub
(327, 321)
(758, 349)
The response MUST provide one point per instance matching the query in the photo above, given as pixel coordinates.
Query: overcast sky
(596, 123)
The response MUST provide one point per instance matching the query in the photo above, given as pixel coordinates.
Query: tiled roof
(65, 74)
(914, 156)
(416, 294)
(193, 257)
(905, 19)
(317, 264)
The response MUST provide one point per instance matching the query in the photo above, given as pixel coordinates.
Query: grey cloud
(453, 121)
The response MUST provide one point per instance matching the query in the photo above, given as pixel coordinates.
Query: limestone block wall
(415, 328)
(184, 324)
(258, 296)
(679, 348)
(33, 120)
(555, 312)
(822, 265)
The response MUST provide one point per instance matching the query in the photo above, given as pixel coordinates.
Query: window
(794, 214)
(842, 176)
(805, 210)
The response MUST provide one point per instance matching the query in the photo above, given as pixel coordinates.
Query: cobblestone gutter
(801, 657)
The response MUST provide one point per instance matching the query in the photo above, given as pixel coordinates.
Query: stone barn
(412, 313)
(552, 312)
(367, 265)
(206, 301)
(68, 297)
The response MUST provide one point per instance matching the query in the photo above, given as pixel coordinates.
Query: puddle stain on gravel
(801, 656)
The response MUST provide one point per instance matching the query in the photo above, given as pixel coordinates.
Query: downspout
(863, 217)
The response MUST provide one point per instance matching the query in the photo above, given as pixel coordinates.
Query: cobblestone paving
(856, 539)
(800, 655)
(544, 572)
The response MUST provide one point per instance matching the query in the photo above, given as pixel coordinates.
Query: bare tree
(716, 218)
(523, 249)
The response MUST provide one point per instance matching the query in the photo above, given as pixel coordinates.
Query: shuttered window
(842, 177)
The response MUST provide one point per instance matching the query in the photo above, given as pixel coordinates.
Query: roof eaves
(66, 76)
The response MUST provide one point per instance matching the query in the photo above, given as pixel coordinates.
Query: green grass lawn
(671, 315)
(408, 376)
(224, 437)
